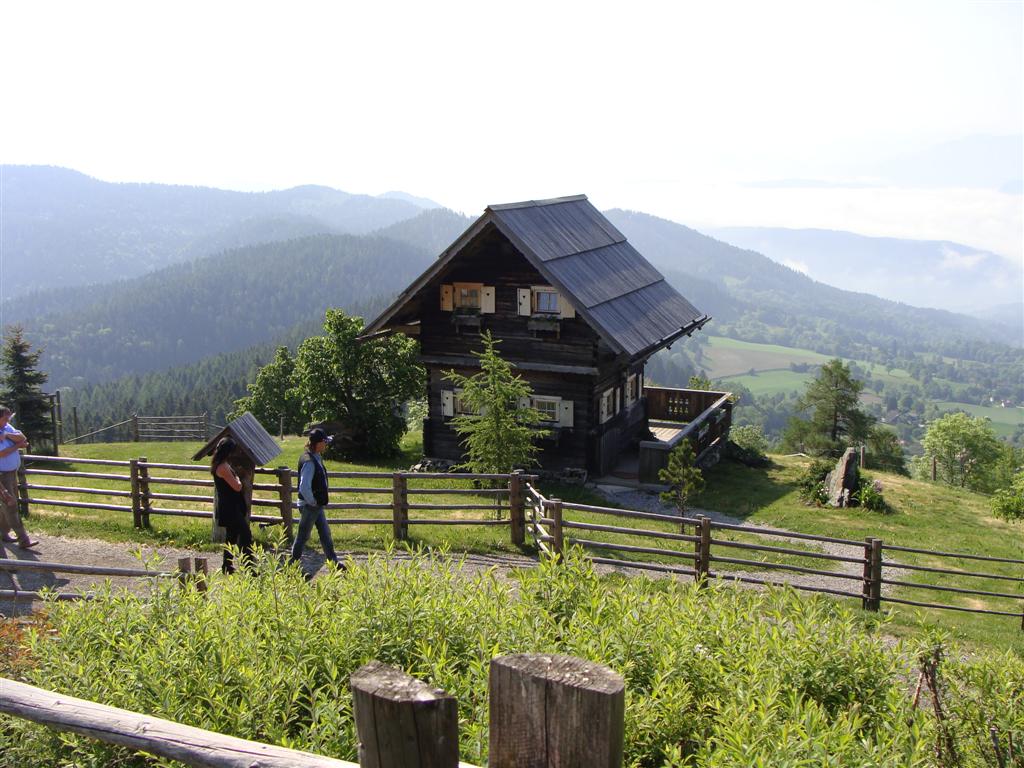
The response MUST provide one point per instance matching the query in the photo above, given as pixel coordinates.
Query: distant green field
(769, 382)
(1004, 420)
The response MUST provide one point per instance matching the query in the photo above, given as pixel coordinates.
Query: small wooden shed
(255, 448)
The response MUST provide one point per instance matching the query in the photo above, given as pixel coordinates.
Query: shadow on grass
(738, 490)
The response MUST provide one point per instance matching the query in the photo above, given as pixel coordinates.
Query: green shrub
(869, 495)
(748, 445)
(714, 677)
(811, 482)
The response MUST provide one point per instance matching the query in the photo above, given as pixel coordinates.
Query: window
(632, 389)
(461, 407)
(467, 295)
(545, 302)
(607, 404)
(548, 408)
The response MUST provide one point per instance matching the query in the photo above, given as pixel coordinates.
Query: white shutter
(524, 402)
(447, 302)
(618, 394)
(447, 402)
(524, 302)
(487, 300)
(565, 413)
(565, 309)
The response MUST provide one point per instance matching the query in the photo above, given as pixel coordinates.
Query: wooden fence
(707, 552)
(871, 571)
(548, 711)
(147, 487)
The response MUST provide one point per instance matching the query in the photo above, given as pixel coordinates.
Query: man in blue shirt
(11, 440)
(313, 497)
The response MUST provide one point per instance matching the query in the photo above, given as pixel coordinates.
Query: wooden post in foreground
(517, 508)
(402, 721)
(553, 711)
(872, 592)
(135, 427)
(184, 571)
(202, 572)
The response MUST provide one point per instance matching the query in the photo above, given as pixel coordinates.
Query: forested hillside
(64, 228)
(224, 303)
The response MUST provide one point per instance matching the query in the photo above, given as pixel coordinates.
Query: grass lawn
(923, 515)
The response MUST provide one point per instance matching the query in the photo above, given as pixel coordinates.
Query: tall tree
(335, 378)
(965, 450)
(21, 389)
(272, 398)
(499, 434)
(835, 418)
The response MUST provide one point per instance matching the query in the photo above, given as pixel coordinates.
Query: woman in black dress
(229, 506)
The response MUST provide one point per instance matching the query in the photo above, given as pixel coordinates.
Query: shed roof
(251, 437)
(612, 287)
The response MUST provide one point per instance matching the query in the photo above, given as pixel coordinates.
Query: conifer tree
(683, 477)
(498, 432)
(21, 390)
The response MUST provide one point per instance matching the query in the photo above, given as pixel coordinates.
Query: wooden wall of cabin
(564, 449)
(628, 424)
(492, 261)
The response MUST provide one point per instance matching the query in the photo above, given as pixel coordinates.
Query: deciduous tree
(965, 450)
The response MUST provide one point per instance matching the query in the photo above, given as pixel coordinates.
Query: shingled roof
(612, 287)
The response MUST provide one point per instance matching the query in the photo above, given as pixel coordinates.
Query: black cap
(317, 435)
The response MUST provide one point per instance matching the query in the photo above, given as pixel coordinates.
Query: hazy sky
(892, 118)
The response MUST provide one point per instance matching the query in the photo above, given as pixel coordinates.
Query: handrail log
(8, 564)
(192, 746)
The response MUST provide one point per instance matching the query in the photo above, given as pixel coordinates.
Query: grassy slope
(924, 515)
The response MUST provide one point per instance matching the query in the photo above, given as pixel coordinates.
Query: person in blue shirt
(313, 496)
(11, 440)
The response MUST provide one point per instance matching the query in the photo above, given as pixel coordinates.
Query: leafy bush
(748, 445)
(721, 677)
(869, 495)
(1008, 503)
(811, 482)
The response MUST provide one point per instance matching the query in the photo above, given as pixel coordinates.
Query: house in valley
(579, 311)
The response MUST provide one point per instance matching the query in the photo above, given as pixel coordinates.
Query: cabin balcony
(673, 415)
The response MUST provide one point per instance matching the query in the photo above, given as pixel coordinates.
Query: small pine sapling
(682, 476)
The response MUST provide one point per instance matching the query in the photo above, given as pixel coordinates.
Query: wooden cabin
(578, 311)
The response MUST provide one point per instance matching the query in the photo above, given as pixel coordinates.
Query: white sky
(672, 108)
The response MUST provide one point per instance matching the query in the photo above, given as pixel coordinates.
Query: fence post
(135, 427)
(185, 565)
(558, 537)
(935, 469)
(399, 507)
(703, 547)
(516, 508)
(284, 492)
(74, 417)
(136, 495)
(876, 574)
(202, 571)
(862, 457)
(402, 721)
(146, 502)
(22, 486)
(872, 592)
(555, 711)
